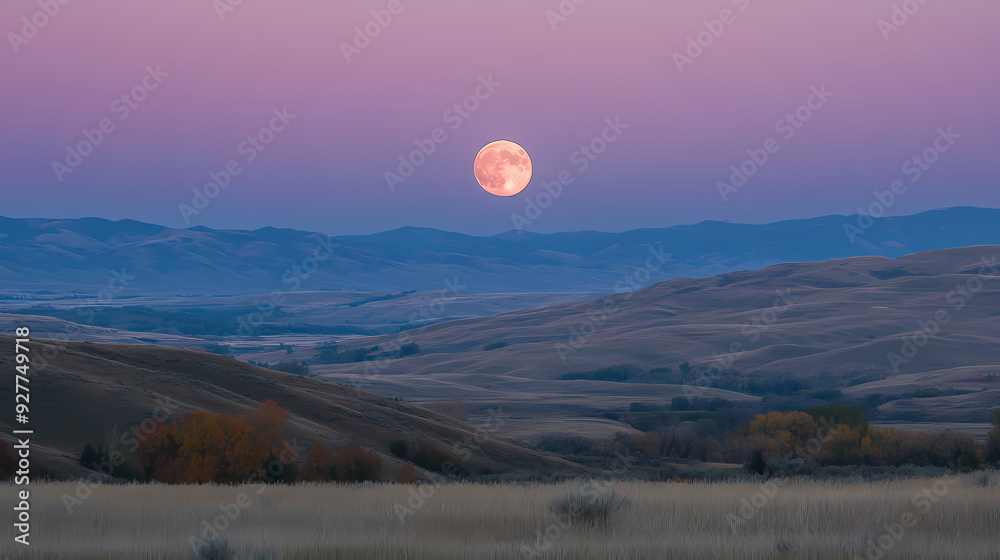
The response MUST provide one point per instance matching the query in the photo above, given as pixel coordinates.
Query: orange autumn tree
(792, 429)
(407, 475)
(319, 462)
(207, 447)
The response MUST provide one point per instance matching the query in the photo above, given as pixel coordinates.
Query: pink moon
(502, 168)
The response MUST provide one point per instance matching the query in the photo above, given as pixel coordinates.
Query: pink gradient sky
(353, 120)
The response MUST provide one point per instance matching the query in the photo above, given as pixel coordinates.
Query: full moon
(502, 168)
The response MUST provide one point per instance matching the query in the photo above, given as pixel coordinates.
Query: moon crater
(503, 168)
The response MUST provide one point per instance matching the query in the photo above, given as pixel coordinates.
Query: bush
(407, 475)
(110, 462)
(297, 367)
(984, 479)
(993, 441)
(431, 457)
(409, 349)
(399, 448)
(572, 445)
(357, 465)
(349, 464)
(221, 349)
(494, 346)
(216, 549)
(89, 456)
(330, 355)
(756, 464)
(591, 503)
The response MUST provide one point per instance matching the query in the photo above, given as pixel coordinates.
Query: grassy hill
(829, 324)
(87, 390)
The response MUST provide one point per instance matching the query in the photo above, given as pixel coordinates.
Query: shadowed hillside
(88, 390)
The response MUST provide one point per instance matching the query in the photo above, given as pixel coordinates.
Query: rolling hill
(842, 323)
(88, 390)
(84, 255)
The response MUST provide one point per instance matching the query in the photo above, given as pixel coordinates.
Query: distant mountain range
(86, 254)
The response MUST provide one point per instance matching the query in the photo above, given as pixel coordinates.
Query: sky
(301, 113)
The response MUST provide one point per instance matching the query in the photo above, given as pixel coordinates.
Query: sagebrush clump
(591, 503)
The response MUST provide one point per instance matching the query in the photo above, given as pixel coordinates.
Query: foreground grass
(957, 518)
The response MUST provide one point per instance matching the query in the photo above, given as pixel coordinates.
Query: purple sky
(550, 90)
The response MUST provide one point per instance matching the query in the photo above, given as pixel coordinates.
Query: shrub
(349, 464)
(756, 464)
(591, 503)
(431, 457)
(409, 349)
(572, 445)
(330, 355)
(399, 448)
(993, 441)
(221, 349)
(494, 346)
(407, 475)
(216, 549)
(298, 367)
(984, 479)
(354, 464)
(89, 456)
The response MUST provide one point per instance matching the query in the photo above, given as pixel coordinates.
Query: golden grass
(803, 520)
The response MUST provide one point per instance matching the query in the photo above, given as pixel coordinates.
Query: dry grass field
(956, 518)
